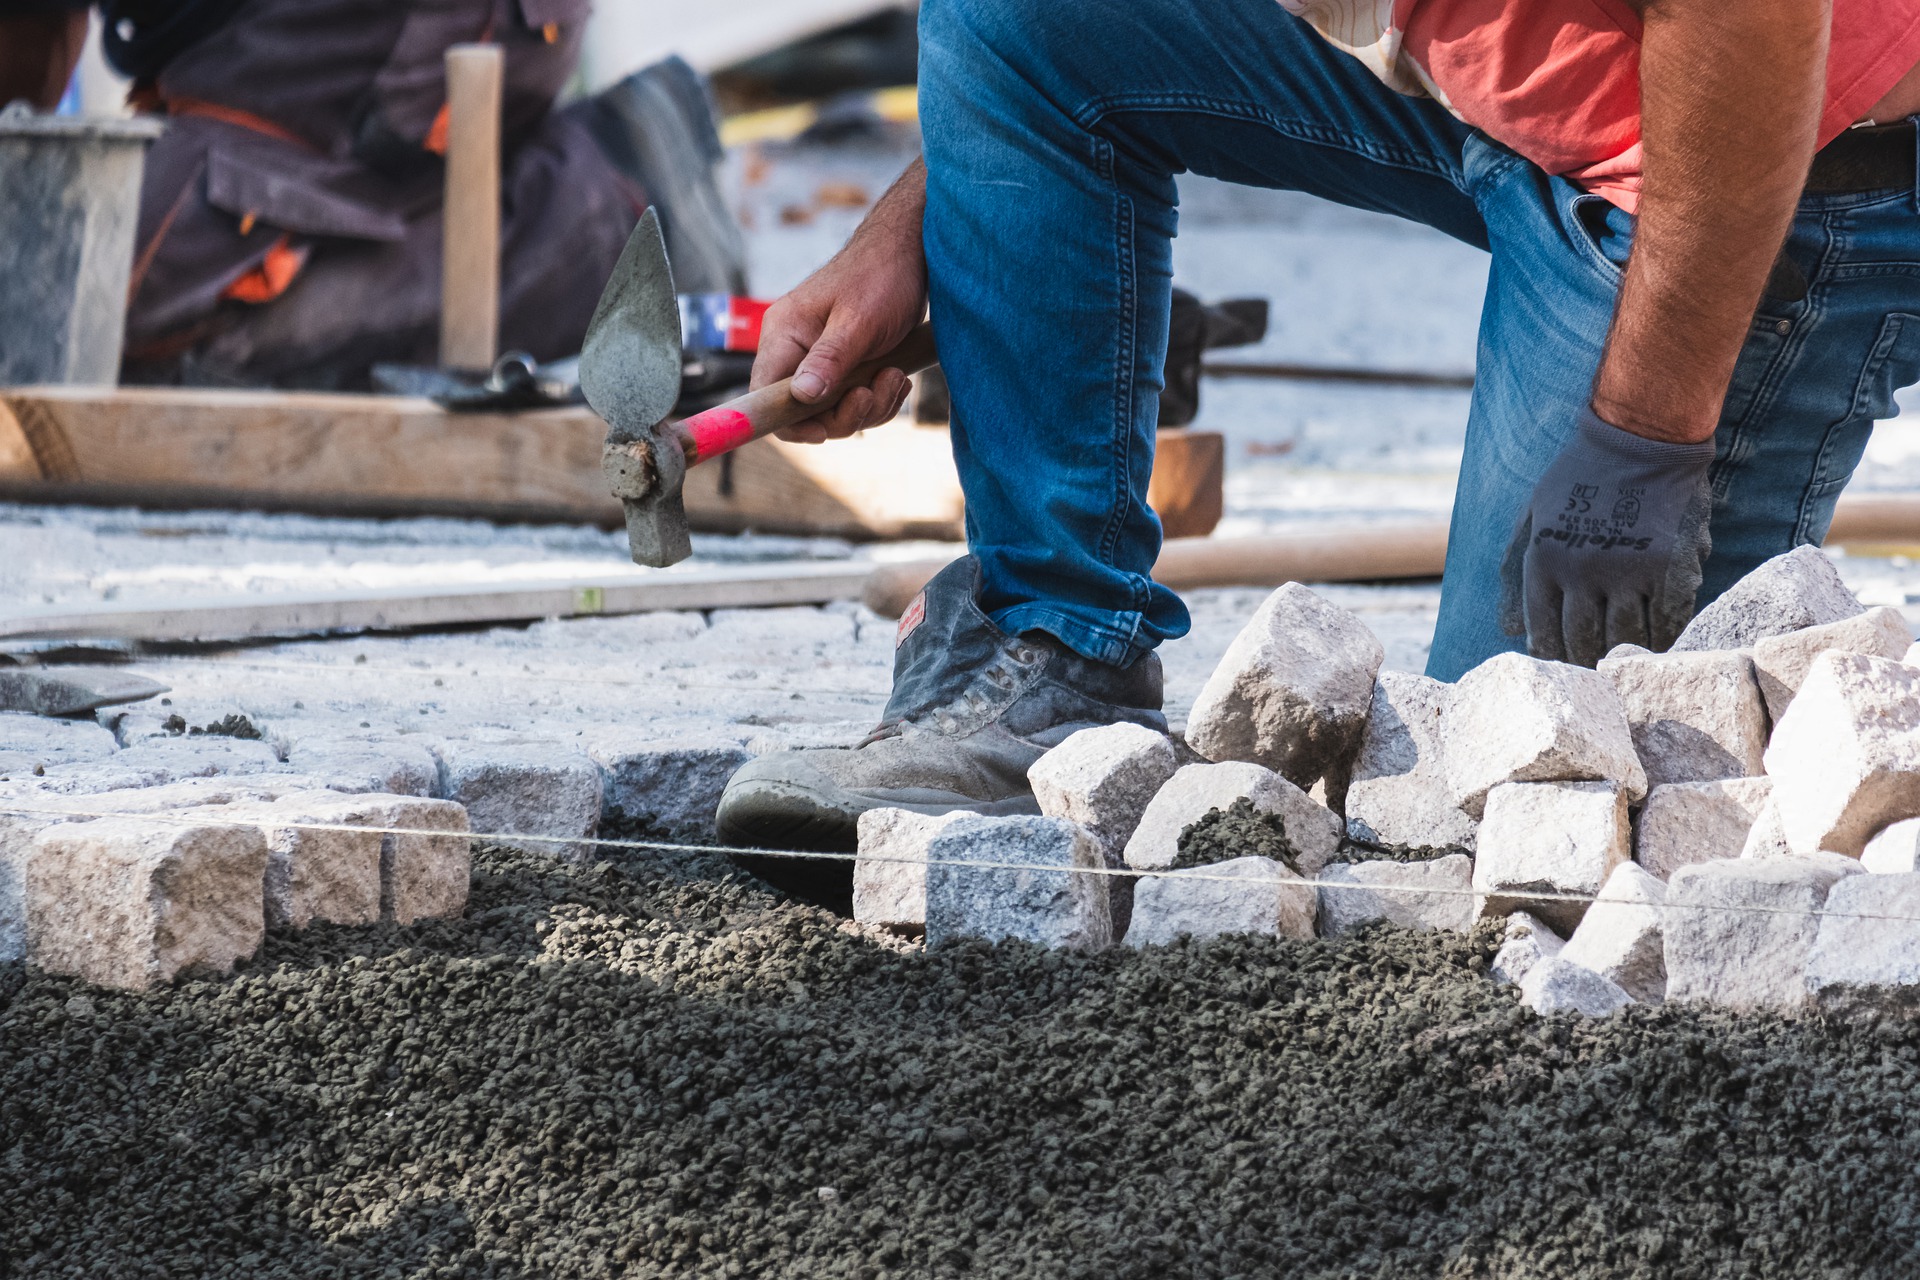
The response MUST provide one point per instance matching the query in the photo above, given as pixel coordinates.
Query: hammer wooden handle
(772, 408)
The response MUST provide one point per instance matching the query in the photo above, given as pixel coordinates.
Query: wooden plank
(332, 454)
(1368, 552)
(18, 465)
(1868, 517)
(896, 481)
(240, 617)
(1869, 523)
(400, 456)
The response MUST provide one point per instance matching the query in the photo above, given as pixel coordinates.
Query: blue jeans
(1053, 133)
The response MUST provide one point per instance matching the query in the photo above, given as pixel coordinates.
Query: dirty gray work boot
(972, 709)
(656, 126)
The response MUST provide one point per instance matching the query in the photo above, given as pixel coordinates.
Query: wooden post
(470, 262)
(1188, 487)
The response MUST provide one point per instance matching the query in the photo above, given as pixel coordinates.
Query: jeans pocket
(1585, 218)
(1543, 215)
(1483, 162)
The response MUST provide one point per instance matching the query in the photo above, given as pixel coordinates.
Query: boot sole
(785, 815)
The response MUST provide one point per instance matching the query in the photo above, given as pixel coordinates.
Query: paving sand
(653, 1066)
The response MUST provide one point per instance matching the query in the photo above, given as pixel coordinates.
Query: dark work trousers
(290, 222)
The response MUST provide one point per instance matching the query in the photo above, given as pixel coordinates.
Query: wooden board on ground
(1866, 523)
(896, 481)
(370, 455)
(398, 456)
(331, 454)
(1365, 553)
(243, 617)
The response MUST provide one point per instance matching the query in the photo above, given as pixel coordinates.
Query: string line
(1198, 874)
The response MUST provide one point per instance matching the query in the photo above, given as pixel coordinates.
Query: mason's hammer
(630, 373)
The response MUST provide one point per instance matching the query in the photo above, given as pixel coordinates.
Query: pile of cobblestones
(1735, 821)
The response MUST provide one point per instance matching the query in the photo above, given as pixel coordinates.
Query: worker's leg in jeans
(1815, 373)
(1543, 326)
(1053, 134)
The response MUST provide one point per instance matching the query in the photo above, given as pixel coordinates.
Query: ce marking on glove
(1582, 500)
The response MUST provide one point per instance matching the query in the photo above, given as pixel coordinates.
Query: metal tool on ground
(719, 334)
(630, 370)
(516, 381)
(71, 691)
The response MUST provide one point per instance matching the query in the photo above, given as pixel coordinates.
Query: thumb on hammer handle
(772, 408)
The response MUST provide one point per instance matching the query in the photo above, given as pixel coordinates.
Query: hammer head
(647, 475)
(630, 375)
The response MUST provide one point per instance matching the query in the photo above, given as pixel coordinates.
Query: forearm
(899, 212)
(1731, 98)
(881, 271)
(859, 305)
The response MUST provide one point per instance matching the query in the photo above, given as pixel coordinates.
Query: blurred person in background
(290, 217)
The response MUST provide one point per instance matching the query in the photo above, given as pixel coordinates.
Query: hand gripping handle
(772, 408)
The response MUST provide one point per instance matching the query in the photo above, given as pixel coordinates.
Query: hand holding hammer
(630, 374)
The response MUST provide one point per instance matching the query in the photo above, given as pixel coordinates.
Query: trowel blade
(630, 364)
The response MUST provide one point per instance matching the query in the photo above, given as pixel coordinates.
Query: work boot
(656, 126)
(972, 709)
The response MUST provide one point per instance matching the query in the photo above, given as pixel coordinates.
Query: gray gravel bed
(647, 1067)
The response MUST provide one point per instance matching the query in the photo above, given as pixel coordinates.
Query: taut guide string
(669, 846)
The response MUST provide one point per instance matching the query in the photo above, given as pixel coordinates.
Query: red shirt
(1559, 80)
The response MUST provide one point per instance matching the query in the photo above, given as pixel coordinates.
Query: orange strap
(234, 116)
(272, 277)
(144, 262)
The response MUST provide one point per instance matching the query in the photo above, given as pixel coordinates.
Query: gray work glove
(1610, 550)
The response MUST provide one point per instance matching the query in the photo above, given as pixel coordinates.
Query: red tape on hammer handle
(772, 408)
